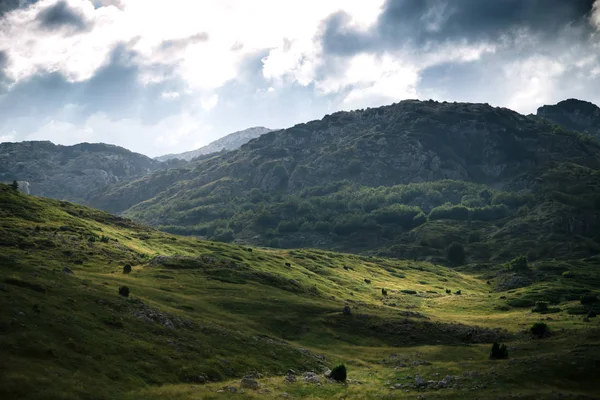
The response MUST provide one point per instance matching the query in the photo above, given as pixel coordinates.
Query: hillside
(406, 180)
(71, 173)
(232, 141)
(574, 114)
(201, 315)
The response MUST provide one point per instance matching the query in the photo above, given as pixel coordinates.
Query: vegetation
(338, 373)
(188, 298)
(499, 351)
(539, 329)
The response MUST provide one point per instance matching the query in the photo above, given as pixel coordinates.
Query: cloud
(61, 15)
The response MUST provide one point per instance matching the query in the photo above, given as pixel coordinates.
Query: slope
(573, 114)
(405, 180)
(200, 314)
(71, 173)
(229, 142)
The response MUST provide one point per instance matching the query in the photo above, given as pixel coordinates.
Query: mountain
(96, 306)
(405, 180)
(71, 173)
(575, 115)
(229, 142)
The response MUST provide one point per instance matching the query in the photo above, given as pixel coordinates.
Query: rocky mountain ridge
(574, 114)
(70, 172)
(230, 142)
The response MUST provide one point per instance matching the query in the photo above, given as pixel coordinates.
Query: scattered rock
(311, 377)
(290, 378)
(248, 383)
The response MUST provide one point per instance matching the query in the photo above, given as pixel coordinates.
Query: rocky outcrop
(575, 115)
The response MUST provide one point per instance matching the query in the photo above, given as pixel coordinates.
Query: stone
(311, 377)
(248, 383)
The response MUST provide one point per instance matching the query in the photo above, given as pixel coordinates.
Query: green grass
(232, 312)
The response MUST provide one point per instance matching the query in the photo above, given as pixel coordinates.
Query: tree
(15, 185)
(456, 253)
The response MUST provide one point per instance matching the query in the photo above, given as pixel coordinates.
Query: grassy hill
(201, 315)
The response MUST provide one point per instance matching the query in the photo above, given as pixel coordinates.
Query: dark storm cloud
(61, 15)
(9, 5)
(418, 22)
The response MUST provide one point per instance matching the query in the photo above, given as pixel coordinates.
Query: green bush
(455, 253)
(338, 373)
(589, 298)
(540, 306)
(399, 214)
(499, 352)
(568, 274)
(539, 329)
(519, 263)
(489, 213)
(287, 227)
(448, 211)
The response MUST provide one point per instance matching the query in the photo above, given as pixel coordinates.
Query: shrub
(347, 310)
(287, 227)
(540, 306)
(499, 352)
(104, 239)
(589, 298)
(592, 314)
(539, 329)
(405, 216)
(448, 291)
(338, 373)
(367, 281)
(15, 185)
(489, 213)
(92, 239)
(456, 253)
(458, 292)
(383, 292)
(124, 291)
(127, 269)
(568, 274)
(448, 211)
(322, 226)
(519, 263)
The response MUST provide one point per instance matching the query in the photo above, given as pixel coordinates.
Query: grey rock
(248, 383)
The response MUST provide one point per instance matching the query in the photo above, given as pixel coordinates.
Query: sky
(162, 77)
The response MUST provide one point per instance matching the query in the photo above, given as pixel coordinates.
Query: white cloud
(209, 103)
(9, 137)
(533, 82)
(170, 95)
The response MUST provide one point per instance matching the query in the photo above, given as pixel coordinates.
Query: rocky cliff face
(70, 173)
(230, 142)
(574, 114)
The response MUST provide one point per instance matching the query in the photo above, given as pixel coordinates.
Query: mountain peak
(229, 142)
(574, 114)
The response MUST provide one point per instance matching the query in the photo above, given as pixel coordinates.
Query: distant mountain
(574, 114)
(70, 173)
(404, 180)
(229, 142)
